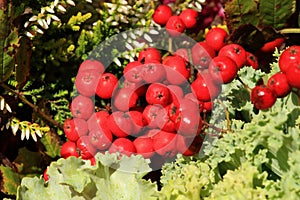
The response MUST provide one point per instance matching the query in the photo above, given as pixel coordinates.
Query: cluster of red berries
(279, 85)
(153, 111)
(175, 24)
(156, 110)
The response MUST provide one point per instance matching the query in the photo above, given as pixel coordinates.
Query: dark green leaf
(276, 12)
(51, 142)
(8, 40)
(7, 47)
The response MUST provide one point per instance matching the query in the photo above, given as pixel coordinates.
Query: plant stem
(214, 127)
(244, 84)
(34, 107)
(170, 45)
(226, 114)
(290, 30)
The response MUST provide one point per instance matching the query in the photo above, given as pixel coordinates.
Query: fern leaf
(276, 12)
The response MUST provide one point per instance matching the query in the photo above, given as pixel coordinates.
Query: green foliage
(52, 144)
(261, 13)
(76, 21)
(275, 13)
(246, 182)
(74, 178)
(7, 49)
(10, 180)
(186, 179)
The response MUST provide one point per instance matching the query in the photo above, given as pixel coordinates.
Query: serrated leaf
(22, 57)
(9, 181)
(51, 144)
(275, 13)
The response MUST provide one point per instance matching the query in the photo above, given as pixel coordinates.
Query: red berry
(216, 38)
(122, 145)
(236, 52)
(175, 26)
(68, 149)
(205, 88)
(161, 14)
(120, 124)
(251, 60)
(189, 17)
(106, 85)
(223, 69)
(202, 54)
(289, 57)
(86, 82)
(133, 72)
(124, 99)
(91, 64)
(87, 150)
(150, 114)
(149, 54)
(74, 128)
(293, 75)
(45, 175)
(164, 144)
(158, 93)
(144, 146)
(270, 46)
(82, 107)
(279, 84)
(101, 138)
(176, 70)
(97, 120)
(262, 97)
(154, 72)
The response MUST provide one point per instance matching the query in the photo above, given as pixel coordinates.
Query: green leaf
(51, 143)
(23, 57)
(246, 182)
(240, 12)
(7, 48)
(73, 178)
(275, 13)
(9, 181)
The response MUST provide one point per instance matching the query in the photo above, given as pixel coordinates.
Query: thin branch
(34, 107)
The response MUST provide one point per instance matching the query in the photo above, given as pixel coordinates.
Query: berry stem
(227, 115)
(244, 84)
(206, 124)
(170, 41)
(191, 64)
